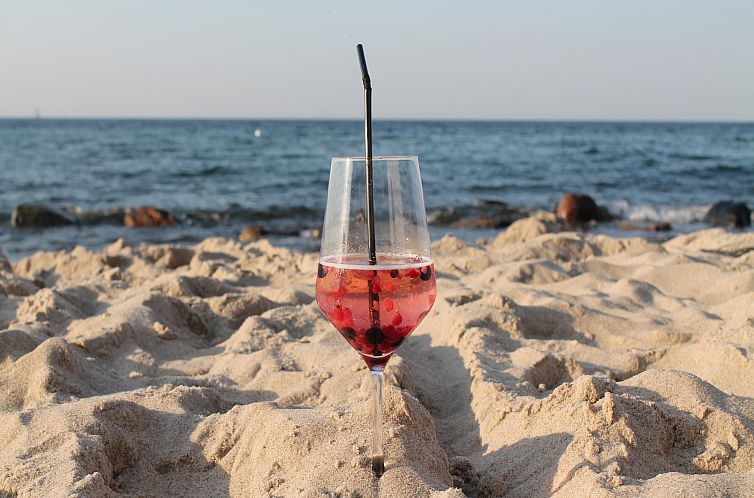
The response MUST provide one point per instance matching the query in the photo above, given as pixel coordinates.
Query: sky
(556, 60)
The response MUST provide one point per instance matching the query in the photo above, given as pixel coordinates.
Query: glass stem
(378, 456)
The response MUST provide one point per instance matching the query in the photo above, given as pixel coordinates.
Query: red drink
(376, 307)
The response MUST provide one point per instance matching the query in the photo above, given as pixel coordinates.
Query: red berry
(391, 333)
(388, 304)
(397, 319)
(338, 314)
(375, 286)
(414, 273)
(385, 348)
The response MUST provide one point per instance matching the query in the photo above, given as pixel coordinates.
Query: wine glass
(375, 303)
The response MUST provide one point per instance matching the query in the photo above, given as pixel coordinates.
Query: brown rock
(627, 225)
(148, 216)
(251, 233)
(578, 208)
(659, 227)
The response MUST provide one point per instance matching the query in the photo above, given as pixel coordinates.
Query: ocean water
(218, 176)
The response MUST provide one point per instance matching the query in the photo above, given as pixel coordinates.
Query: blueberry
(376, 352)
(375, 335)
(399, 342)
(348, 333)
(426, 275)
(394, 273)
(321, 272)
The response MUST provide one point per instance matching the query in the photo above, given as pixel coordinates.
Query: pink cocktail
(376, 308)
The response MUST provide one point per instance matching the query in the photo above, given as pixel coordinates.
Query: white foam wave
(654, 214)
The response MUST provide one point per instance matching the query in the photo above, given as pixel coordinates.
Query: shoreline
(23, 242)
(553, 363)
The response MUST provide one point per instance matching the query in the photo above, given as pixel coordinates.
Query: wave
(104, 216)
(294, 219)
(658, 213)
(455, 216)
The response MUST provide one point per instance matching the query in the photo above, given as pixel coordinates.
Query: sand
(553, 363)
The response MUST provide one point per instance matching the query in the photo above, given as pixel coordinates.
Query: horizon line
(490, 120)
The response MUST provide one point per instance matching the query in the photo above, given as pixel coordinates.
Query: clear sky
(527, 59)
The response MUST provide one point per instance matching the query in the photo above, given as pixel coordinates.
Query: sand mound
(553, 363)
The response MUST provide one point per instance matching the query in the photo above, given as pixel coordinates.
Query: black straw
(368, 145)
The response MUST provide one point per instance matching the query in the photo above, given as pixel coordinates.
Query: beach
(554, 362)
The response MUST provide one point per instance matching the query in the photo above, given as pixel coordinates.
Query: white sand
(552, 364)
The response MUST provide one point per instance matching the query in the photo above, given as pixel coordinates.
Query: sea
(219, 176)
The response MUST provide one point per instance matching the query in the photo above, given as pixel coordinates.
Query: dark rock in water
(148, 216)
(482, 221)
(728, 214)
(482, 214)
(252, 233)
(580, 208)
(490, 202)
(38, 216)
(659, 227)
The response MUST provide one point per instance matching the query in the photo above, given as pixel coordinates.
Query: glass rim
(378, 158)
